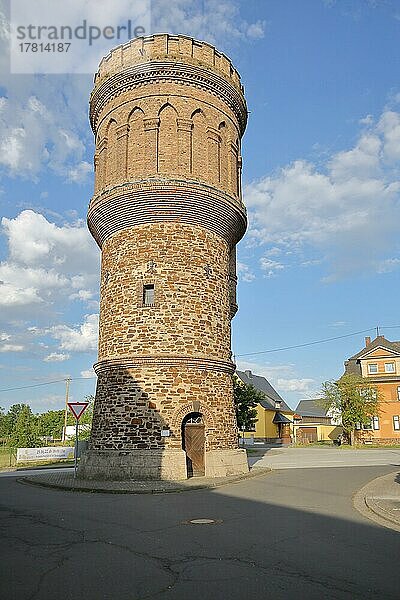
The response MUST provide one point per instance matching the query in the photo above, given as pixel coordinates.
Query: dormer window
(389, 367)
(372, 368)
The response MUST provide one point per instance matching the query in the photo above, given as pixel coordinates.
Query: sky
(321, 183)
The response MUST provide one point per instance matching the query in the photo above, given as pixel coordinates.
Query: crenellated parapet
(162, 47)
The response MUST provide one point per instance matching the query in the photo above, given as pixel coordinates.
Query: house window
(375, 423)
(389, 367)
(396, 423)
(398, 392)
(372, 368)
(148, 294)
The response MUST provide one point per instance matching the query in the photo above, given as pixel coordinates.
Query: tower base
(169, 464)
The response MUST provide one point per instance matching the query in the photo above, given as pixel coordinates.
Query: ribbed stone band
(155, 201)
(171, 72)
(205, 364)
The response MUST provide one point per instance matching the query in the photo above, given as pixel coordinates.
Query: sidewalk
(379, 500)
(66, 481)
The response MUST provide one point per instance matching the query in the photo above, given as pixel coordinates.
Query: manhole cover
(202, 521)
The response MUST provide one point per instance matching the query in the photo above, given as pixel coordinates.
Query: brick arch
(181, 412)
(197, 112)
(135, 112)
(165, 106)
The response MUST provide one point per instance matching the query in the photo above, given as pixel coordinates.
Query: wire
(338, 337)
(25, 387)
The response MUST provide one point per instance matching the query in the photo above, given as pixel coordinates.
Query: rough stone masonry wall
(189, 267)
(133, 405)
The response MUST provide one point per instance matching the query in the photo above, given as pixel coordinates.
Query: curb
(364, 503)
(32, 480)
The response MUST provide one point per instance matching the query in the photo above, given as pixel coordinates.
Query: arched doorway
(193, 443)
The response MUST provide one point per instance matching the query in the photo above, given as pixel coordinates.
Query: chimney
(249, 374)
(367, 341)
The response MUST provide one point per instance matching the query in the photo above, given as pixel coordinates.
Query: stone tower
(168, 113)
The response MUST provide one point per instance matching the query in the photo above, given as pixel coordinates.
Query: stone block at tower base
(223, 463)
(120, 465)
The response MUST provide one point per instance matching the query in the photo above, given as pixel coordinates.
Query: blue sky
(321, 182)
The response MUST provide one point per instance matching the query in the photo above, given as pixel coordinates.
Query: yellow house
(274, 417)
(313, 423)
(379, 363)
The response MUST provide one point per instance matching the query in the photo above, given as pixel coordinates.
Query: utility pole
(67, 382)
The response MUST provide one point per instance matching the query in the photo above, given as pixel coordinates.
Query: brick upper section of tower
(167, 47)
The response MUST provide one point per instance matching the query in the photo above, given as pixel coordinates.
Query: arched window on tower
(168, 141)
(112, 160)
(136, 143)
(223, 156)
(199, 148)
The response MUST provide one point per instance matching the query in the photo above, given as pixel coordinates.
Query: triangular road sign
(78, 408)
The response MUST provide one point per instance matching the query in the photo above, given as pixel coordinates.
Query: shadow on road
(286, 535)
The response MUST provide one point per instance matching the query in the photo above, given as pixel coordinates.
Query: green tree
(352, 398)
(51, 423)
(246, 398)
(25, 431)
(12, 416)
(3, 425)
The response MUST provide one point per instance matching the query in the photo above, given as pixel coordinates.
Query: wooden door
(194, 448)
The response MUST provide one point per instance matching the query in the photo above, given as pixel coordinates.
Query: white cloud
(346, 213)
(56, 357)
(295, 385)
(271, 267)
(11, 348)
(389, 127)
(367, 120)
(80, 173)
(282, 377)
(4, 337)
(81, 295)
(244, 272)
(78, 339)
(49, 402)
(31, 138)
(217, 21)
(88, 374)
(46, 262)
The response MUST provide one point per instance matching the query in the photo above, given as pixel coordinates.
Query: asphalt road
(291, 534)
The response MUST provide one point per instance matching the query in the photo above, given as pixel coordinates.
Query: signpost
(77, 409)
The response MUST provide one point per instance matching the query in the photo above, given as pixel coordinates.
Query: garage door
(308, 433)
